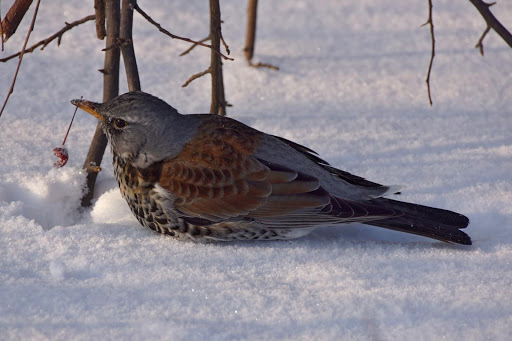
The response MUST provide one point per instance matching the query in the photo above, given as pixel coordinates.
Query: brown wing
(216, 177)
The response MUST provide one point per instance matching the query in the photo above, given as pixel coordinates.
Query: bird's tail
(425, 221)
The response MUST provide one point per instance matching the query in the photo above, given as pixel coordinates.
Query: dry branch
(110, 90)
(51, 38)
(218, 105)
(250, 33)
(479, 45)
(13, 17)
(492, 22)
(125, 35)
(1, 30)
(99, 10)
(173, 36)
(430, 22)
(196, 76)
(21, 57)
(250, 36)
(194, 45)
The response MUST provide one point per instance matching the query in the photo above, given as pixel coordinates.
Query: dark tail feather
(425, 221)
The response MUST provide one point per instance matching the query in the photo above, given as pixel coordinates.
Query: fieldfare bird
(207, 177)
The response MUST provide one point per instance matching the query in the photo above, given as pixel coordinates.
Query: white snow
(351, 86)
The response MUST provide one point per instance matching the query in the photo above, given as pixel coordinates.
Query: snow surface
(351, 86)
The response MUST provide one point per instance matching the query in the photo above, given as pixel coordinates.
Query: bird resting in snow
(208, 177)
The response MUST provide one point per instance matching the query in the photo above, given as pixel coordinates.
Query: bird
(205, 177)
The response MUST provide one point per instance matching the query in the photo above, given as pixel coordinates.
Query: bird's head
(138, 126)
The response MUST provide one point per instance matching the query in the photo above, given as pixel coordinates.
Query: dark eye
(119, 123)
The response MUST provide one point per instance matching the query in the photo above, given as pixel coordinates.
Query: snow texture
(350, 86)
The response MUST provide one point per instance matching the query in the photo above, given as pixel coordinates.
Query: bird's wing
(216, 177)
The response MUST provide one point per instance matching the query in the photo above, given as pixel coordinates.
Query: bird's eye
(119, 123)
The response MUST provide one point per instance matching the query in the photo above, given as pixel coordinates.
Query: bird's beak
(90, 107)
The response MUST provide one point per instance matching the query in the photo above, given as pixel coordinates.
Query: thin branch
(263, 65)
(224, 42)
(250, 32)
(196, 76)
(492, 22)
(1, 29)
(51, 38)
(194, 45)
(127, 49)
(11, 90)
(173, 36)
(480, 45)
(430, 22)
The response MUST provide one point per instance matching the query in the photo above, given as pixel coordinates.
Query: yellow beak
(90, 107)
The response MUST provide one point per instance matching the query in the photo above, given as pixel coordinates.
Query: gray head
(141, 128)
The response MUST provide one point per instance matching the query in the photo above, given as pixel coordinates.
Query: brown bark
(127, 49)
(13, 17)
(218, 105)
(110, 90)
(99, 9)
(250, 34)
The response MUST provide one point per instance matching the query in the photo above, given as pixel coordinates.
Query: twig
(480, 45)
(1, 29)
(250, 33)
(21, 56)
(263, 65)
(430, 22)
(99, 9)
(224, 42)
(14, 16)
(194, 45)
(51, 38)
(196, 76)
(127, 49)
(492, 22)
(250, 37)
(173, 36)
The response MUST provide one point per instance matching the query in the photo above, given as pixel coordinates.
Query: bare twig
(125, 34)
(110, 90)
(21, 56)
(99, 9)
(1, 29)
(224, 42)
(173, 36)
(250, 36)
(51, 38)
(492, 22)
(14, 16)
(480, 45)
(263, 65)
(430, 22)
(196, 76)
(194, 45)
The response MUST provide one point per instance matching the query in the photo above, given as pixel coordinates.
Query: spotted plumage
(206, 177)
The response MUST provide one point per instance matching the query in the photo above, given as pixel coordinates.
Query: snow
(350, 86)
